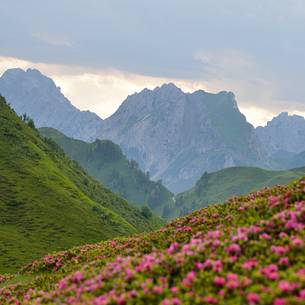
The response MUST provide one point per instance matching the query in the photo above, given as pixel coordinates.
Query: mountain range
(174, 136)
(48, 202)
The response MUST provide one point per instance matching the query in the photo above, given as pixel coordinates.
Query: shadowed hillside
(105, 161)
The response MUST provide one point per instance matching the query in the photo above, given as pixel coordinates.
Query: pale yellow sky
(102, 91)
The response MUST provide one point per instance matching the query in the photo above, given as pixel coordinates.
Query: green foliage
(48, 202)
(105, 161)
(146, 212)
(27, 120)
(221, 185)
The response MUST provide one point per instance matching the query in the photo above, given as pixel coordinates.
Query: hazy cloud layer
(254, 48)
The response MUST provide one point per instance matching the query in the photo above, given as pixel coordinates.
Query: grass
(48, 202)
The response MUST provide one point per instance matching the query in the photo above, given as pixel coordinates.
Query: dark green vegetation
(105, 161)
(47, 201)
(219, 186)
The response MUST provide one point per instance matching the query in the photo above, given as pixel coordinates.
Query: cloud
(52, 40)
(256, 50)
(259, 88)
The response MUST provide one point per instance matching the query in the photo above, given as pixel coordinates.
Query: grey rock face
(36, 95)
(284, 133)
(176, 136)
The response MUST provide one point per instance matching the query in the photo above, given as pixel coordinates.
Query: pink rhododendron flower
(174, 301)
(284, 286)
(279, 250)
(232, 284)
(296, 242)
(273, 201)
(222, 292)
(279, 301)
(283, 235)
(284, 261)
(210, 300)
(62, 284)
(173, 247)
(270, 272)
(234, 249)
(191, 276)
(246, 282)
(219, 281)
(77, 277)
(265, 236)
(199, 265)
(250, 264)
(158, 289)
(214, 234)
(174, 290)
(232, 277)
(302, 294)
(217, 266)
(253, 298)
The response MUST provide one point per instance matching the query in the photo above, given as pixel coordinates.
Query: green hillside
(221, 185)
(47, 202)
(248, 251)
(105, 161)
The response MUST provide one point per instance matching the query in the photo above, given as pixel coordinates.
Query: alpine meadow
(152, 153)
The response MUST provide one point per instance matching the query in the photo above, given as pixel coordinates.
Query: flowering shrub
(247, 251)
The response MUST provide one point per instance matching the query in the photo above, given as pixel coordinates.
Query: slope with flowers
(248, 251)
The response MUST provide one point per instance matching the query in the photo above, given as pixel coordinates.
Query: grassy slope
(253, 246)
(220, 185)
(105, 161)
(47, 202)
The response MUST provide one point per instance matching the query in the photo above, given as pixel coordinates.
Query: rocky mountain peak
(14, 72)
(37, 95)
(284, 133)
(176, 135)
(169, 88)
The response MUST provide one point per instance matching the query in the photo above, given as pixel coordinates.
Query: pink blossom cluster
(248, 251)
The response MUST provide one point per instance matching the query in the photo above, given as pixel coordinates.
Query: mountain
(221, 185)
(47, 201)
(297, 160)
(284, 133)
(105, 161)
(176, 136)
(36, 95)
(249, 250)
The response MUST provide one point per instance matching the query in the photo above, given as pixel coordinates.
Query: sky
(100, 51)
